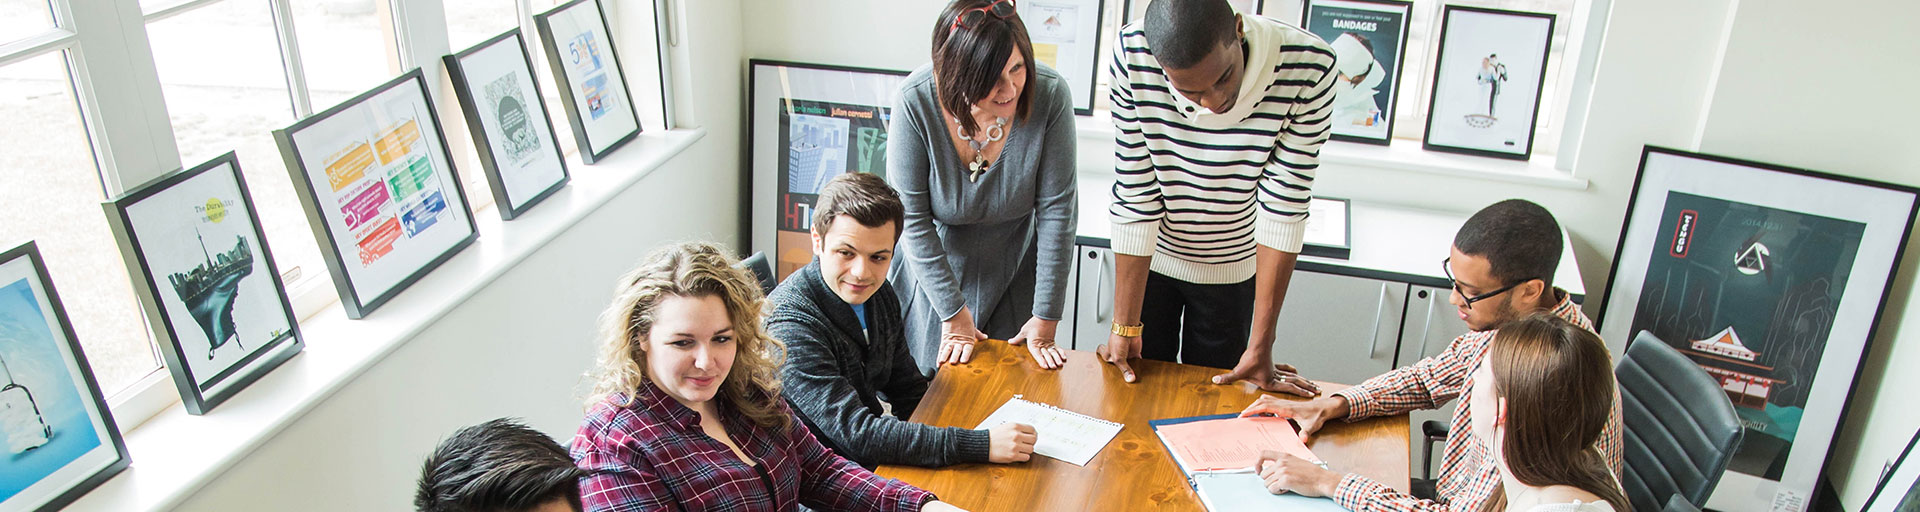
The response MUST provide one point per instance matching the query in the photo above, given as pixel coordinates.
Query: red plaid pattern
(652, 455)
(1468, 476)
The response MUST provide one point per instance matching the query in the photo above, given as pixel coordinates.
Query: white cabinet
(1093, 307)
(1339, 328)
(1063, 334)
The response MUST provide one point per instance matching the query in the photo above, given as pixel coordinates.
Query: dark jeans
(1200, 324)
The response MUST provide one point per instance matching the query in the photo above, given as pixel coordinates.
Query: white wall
(519, 347)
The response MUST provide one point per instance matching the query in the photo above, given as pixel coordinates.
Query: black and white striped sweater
(1197, 190)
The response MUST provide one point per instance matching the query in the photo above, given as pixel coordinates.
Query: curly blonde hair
(690, 269)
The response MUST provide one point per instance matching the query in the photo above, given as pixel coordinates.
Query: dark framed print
(1066, 37)
(808, 123)
(501, 101)
(1772, 279)
(379, 190)
(593, 86)
(206, 280)
(1899, 490)
(1487, 82)
(60, 437)
(1369, 40)
(1136, 9)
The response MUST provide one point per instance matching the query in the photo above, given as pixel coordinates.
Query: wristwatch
(1130, 331)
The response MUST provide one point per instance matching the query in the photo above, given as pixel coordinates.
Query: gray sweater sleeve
(1057, 200)
(815, 386)
(909, 170)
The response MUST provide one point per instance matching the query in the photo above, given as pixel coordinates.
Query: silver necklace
(979, 164)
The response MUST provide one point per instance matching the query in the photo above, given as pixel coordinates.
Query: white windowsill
(174, 454)
(1402, 155)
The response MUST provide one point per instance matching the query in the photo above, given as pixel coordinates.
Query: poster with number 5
(592, 86)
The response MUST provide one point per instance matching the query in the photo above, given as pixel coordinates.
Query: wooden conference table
(1133, 472)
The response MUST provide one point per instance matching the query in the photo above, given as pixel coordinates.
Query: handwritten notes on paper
(1232, 443)
(1061, 434)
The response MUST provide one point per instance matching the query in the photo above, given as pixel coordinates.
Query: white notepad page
(1062, 434)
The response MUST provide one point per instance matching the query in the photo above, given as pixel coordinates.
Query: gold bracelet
(1129, 330)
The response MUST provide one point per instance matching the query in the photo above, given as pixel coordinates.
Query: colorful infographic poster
(585, 54)
(820, 140)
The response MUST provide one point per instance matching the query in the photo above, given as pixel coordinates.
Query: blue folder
(1221, 491)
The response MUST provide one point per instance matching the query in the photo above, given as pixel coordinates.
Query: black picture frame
(1444, 80)
(1391, 112)
(544, 23)
(503, 196)
(1679, 203)
(1899, 488)
(763, 203)
(99, 418)
(1086, 87)
(357, 304)
(277, 347)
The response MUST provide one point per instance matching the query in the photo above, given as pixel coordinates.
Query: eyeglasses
(1446, 266)
(971, 18)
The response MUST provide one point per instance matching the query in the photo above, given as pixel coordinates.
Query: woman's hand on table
(1037, 335)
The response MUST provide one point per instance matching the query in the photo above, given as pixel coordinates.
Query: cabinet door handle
(1379, 311)
(1427, 327)
(1104, 314)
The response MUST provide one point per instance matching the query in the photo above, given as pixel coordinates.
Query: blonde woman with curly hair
(686, 411)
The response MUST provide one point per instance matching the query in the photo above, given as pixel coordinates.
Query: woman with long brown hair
(686, 413)
(1552, 389)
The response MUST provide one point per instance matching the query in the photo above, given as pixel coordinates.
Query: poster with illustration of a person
(1492, 75)
(1488, 81)
(1368, 38)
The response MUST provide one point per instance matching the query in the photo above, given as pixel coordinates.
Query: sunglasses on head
(971, 18)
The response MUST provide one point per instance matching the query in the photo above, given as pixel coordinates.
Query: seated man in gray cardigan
(846, 346)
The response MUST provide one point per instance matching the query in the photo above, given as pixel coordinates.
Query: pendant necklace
(979, 164)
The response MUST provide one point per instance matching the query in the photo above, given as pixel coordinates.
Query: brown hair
(967, 60)
(1557, 380)
(691, 269)
(865, 197)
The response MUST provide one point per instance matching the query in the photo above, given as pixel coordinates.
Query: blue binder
(1221, 491)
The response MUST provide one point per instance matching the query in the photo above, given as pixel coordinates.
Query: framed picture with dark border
(1066, 37)
(1899, 490)
(806, 124)
(1773, 281)
(60, 437)
(206, 280)
(502, 103)
(1488, 81)
(593, 86)
(1369, 40)
(379, 190)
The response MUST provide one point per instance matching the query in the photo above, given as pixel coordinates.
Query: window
(20, 19)
(346, 47)
(476, 20)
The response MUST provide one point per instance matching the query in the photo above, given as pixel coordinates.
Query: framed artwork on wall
(1135, 9)
(1066, 37)
(511, 132)
(1899, 490)
(1369, 40)
(1772, 279)
(593, 87)
(206, 280)
(379, 191)
(59, 436)
(1488, 80)
(808, 123)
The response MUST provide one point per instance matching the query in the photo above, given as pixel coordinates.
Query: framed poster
(593, 86)
(1772, 279)
(1066, 37)
(60, 437)
(1899, 490)
(806, 124)
(379, 190)
(517, 146)
(206, 280)
(1369, 40)
(1487, 82)
(1136, 9)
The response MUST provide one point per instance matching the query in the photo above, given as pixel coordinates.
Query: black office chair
(1680, 427)
(762, 269)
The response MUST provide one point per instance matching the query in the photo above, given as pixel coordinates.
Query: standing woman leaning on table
(981, 149)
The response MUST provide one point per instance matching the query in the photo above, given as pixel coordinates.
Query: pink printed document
(1231, 443)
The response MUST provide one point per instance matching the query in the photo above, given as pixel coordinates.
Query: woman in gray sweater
(981, 148)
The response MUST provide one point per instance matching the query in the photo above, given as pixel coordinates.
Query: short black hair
(1182, 32)
(1519, 239)
(497, 466)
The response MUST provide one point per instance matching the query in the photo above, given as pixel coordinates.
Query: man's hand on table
(1117, 351)
(1309, 414)
(1287, 473)
(1010, 442)
(1257, 367)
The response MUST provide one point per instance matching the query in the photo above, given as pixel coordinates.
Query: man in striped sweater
(1219, 119)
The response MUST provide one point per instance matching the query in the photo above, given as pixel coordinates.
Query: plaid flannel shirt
(1468, 476)
(652, 455)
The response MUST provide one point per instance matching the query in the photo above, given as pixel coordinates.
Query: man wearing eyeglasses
(1502, 264)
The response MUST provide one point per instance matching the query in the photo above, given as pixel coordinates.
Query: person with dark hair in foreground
(1219, 118)
(1502, 265)
(499, 466)
(847, 347)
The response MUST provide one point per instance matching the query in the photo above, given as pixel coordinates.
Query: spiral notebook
(1060, 433)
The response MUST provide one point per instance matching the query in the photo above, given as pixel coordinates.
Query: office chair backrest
(1681, 429)
(762, 270)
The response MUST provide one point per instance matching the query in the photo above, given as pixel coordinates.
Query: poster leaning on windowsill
(1488, 80)
(1772, 279)
(1369, 40)
(502, 103)
(1066, 37)
(593, 85)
